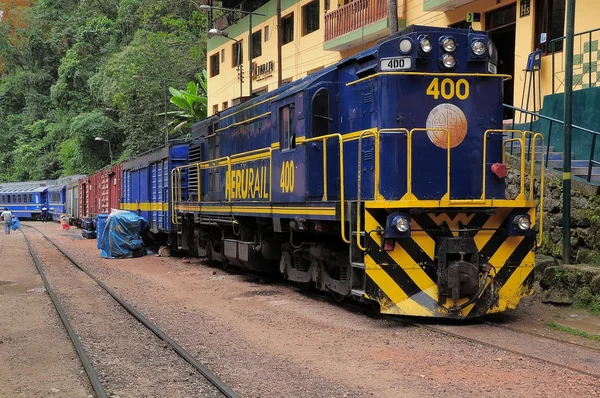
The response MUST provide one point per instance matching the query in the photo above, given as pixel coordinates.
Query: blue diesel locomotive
(380, 178)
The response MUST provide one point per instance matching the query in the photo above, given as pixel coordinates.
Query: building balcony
(443, 5)
(360, 21)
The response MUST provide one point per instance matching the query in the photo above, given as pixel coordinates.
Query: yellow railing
(228, 161)
(342, 186)
(523, 135)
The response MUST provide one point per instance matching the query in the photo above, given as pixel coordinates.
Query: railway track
(579, 358)
(97, 385)
(575, 357)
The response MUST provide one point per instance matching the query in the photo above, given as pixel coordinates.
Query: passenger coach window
(287, 138)
(321, 118)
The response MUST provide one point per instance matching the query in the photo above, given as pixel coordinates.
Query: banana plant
(192, 103)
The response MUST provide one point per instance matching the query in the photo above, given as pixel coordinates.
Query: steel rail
(517, 330)
(81, 353)
(361, 308)
(499, 347)
(207, 373)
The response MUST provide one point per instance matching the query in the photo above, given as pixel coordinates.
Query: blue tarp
(15, 223)
(121, 237)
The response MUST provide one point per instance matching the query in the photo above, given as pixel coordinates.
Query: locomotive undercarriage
(309, 254)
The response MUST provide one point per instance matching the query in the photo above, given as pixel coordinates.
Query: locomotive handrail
(342, 186)
(375, 135)
(504, 77)
(535, 136)
(484, 176)
(504, 147)
(409, 157)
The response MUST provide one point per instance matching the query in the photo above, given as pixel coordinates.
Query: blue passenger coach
(380, 178)
(24, 200)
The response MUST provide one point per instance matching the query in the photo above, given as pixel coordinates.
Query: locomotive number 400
(287, 176)
(449, 88)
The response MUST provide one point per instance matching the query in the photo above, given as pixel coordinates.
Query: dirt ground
(36, 355)
(271, 340)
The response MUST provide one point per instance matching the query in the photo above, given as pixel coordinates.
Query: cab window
(321, 117)
(287, 138)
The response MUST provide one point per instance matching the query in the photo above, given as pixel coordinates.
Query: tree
(192, 103)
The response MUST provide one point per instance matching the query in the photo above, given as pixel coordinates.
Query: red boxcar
(101, 191)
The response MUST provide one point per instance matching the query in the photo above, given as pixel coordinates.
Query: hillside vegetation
(74, 70)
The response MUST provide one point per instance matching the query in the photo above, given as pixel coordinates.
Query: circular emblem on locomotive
(451, 118)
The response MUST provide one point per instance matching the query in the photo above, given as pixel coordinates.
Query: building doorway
(501, 25)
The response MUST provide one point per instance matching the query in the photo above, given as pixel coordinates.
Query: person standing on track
(7, 217)
(44, 213)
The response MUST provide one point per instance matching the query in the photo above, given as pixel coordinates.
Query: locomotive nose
(459, 271)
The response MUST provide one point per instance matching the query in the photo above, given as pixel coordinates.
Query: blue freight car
(147, 185)
(380, 178)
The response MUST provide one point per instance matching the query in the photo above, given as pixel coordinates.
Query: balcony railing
(355, 15)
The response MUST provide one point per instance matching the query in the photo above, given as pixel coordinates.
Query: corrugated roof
(23, 189)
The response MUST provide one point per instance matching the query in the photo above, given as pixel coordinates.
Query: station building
(319, 33)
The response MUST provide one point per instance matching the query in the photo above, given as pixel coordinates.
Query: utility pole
(393, 12)
(279, 44)
(568, 119)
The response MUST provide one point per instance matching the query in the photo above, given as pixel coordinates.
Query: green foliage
(573, 331)
(192, 101)
(68, 77)
(585, 298)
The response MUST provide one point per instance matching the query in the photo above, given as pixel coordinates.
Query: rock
(561, 283)
(54, 390)
(542, 262)
(164, 251)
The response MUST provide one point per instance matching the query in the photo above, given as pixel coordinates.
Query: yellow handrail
(522, 141)
(359, 178)
(504, 147)
(535, 136)
(342, 186)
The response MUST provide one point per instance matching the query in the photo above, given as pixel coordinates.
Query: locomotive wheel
(337, 296)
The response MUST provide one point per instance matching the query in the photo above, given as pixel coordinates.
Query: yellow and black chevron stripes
(404, 280)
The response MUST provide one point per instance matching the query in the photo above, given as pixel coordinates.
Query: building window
(286, 81)
(287, 26)
(234, 54)
(550, 19)
(222, 55)
(310, 17)
(260, 91)
(266, 33)
(214, 65)
(224, 105)
(215, 108)
(287, 139)
(256, 44)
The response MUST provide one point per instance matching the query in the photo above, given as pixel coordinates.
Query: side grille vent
(368, 97)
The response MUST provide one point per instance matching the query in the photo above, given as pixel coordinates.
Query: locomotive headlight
(405, 46)
(425, 44)
(401, 223)
(522, 222)
(449, 44)
(449, 61)
(478, 48)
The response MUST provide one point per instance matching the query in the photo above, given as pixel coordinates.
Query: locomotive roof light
(448, 61)
(478, 48)
(425, 44)
(401, 223)
(448, 44)
(405, 45)
(522, 222)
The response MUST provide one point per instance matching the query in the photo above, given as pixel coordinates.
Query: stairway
(579, 168)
